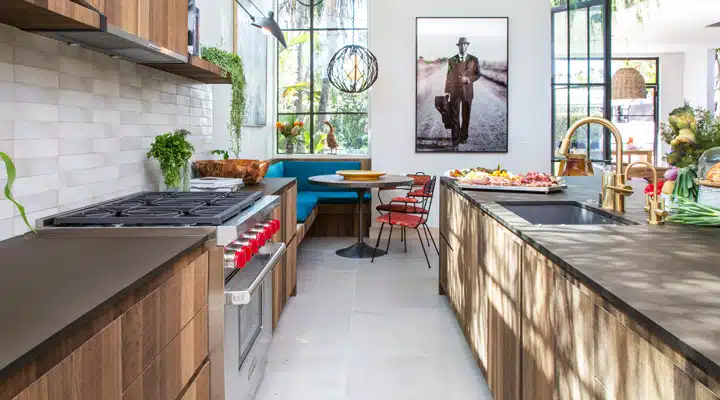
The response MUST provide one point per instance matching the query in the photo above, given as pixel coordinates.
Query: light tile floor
(378, 331)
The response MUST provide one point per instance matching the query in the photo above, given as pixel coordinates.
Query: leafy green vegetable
(704, 132)
(691, 213)
(232, 63)
(173, 152)
(223, 153)
(11, 175)
(685, 186)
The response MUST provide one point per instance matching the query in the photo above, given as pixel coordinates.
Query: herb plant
(223, 153)
(173, 152)
(232, 64)
(11, 175)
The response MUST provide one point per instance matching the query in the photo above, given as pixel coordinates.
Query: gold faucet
(653, 206)
(618, 186)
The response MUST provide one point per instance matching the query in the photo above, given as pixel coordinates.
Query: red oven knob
(269, 231)
(276, 224)
(254, 245)
(262, 238)
(240, 259)
(248, 252)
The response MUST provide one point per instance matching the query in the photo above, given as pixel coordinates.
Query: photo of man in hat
(463, 72)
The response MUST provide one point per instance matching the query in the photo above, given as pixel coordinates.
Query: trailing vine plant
(232, 64)
(11, 175)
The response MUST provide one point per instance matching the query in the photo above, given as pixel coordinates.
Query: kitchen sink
(562, 213)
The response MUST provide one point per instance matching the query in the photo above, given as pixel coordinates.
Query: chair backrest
(419, 178)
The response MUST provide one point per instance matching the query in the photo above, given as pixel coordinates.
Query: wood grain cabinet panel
(164, 22)
(504, 251)
(445, 194)
(171, 371)
(291, 268)
(152, 323)
(573, 322)
(538, 337)
(289, 205)
(91, 372)
(458, 208)
(476, 290)
(199, 389)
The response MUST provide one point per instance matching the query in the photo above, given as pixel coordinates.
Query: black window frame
(312, 114)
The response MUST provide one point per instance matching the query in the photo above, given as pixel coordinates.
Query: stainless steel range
(243, 227)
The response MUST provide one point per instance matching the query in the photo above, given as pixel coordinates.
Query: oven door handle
(238, 296)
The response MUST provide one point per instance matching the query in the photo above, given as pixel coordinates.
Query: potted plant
(11, 175)
(173, 151)
(290, 131)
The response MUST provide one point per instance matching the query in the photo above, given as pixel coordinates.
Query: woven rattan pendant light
(354, 68)
(628, 84)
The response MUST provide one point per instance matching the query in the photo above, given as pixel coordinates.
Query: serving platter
(525, 189)
(361, 175)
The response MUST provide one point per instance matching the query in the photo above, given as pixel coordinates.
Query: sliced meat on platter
(532, 179)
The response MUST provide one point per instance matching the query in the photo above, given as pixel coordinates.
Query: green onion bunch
(691, 213)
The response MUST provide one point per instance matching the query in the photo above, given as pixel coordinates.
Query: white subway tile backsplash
(105, 88)
(35, 112)
(75, 98)
(7, 73)
(35, 94)
(78, 124)
(36, 76)
(35, 148)
(81, 161)
(36, 166)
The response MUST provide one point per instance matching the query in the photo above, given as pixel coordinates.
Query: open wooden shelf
(47, 14)
(198, 69)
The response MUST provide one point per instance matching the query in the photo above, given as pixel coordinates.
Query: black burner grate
(158, 208)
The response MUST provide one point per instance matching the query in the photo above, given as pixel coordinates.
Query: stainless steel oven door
(248, 323)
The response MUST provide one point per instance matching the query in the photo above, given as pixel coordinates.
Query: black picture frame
(455, 149)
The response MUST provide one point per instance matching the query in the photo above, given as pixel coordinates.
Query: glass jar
(707, 161)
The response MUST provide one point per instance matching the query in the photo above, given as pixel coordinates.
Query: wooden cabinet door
(278, 290)
(289, 206)
(163, 22)
(574, 325)
(90, 372)
(503, 250)
(538, 337)
(456, 269)
(444, 234)
(291, 268)
(476, 289)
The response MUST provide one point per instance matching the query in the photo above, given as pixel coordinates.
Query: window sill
(321, 156)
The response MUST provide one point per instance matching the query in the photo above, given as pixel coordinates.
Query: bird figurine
(330, 140)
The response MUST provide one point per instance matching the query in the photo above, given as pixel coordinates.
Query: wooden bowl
(250, 171)
(360, 175)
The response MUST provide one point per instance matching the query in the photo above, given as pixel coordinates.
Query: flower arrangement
(290, 130)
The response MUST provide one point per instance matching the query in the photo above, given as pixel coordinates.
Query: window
(314, 34)
(580, 81)
(638, 120)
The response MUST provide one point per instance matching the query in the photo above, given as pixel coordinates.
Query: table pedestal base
(360, 250)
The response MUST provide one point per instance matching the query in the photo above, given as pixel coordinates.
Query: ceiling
(667, 26)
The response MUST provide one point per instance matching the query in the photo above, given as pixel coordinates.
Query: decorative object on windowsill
(330, 141)
(250, 171)
(354, 68)
(232, 64)
(290, 131)
(11, 173)
(628, 84)
(630, 145)
(173, 151)
(690, 133)
(266, 24)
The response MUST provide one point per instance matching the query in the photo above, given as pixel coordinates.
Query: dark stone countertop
(51, 281)
(667, 278)
(271, 186)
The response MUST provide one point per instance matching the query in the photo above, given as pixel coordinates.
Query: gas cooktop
(163, 208)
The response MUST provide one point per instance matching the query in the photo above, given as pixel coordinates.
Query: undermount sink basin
(562, 213)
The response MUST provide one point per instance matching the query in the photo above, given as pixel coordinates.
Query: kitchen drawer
(173, 369)
(90, 372)
(200, 387)
(152, 323)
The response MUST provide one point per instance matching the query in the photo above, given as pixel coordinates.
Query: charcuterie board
(525, 189)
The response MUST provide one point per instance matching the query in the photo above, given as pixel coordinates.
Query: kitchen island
(582, 311)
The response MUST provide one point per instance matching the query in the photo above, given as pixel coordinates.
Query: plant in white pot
(173, 151)
(11, 175)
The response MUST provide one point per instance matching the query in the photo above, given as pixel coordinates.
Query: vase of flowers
(290, 131)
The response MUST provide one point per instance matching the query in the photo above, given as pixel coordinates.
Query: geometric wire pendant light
(354, 68)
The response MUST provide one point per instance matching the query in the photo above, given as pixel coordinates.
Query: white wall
(392, 108)
(216, 29)
(699, 77)
(78, 124)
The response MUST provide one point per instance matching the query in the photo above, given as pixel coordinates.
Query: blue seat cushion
(306, 201)
(275, 171)
(302, 170)
(339, 197)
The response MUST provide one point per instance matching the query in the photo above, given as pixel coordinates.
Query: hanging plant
(11, 175)
(173, 152)
(232, 64)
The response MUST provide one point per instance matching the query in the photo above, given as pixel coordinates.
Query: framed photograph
(252, 46)
(462, 85)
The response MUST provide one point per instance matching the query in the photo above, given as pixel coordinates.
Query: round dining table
(360, 249)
